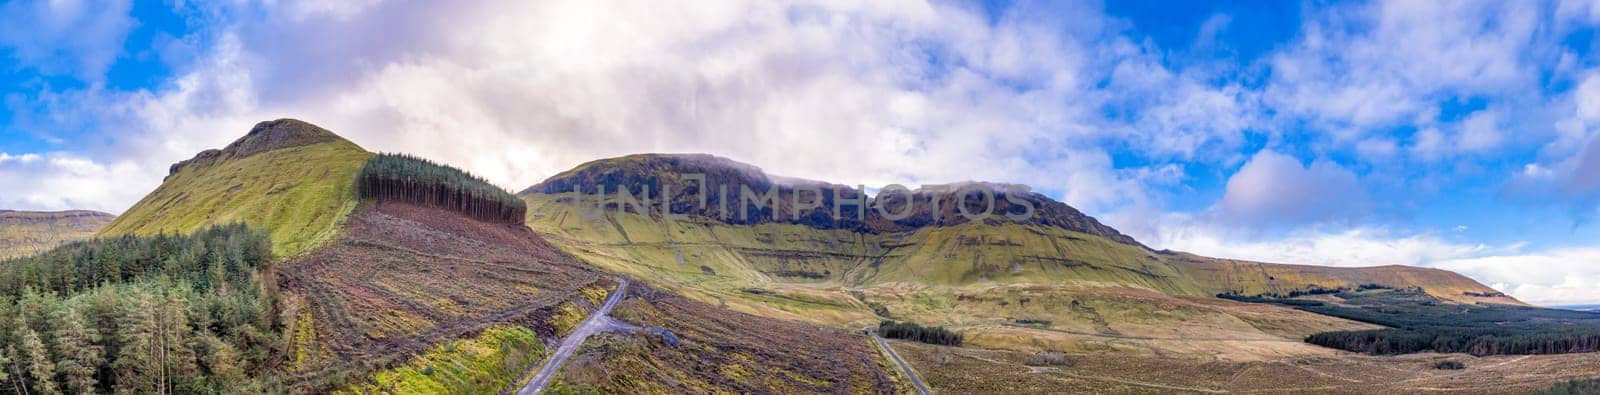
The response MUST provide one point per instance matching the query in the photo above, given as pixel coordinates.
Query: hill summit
(288, 176)
(265, 136)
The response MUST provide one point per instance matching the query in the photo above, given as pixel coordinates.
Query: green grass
(745, 256)
(484, 365)
(299, 194)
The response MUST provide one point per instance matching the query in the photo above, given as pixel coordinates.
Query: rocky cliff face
(721, 196)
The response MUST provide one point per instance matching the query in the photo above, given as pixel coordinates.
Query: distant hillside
(29, 232)
(726, 181)
(1057, 245)
(288, 176)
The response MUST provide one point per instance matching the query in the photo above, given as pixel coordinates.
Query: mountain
(1058, 280)
(934, 244)
(392, 274)
(288, 176)
(29, 232)
(722, 183)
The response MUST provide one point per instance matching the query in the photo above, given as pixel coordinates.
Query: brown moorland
(973, 370)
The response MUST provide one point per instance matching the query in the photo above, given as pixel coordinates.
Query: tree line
(158, 315)
(404, 178)
(1472, 341)
(926, 334)
(1419, 322)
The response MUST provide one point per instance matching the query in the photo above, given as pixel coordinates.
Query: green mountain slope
(1058, 281)
(290, 177)
(935, 246)
(30, 232)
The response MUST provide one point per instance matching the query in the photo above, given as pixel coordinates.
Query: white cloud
(65, 37)
(60, 181)
(1480, 132)
(843, 92)
(1274, 188)
(1570, 170)
(1355, 247)
(1559, 276)
(1565, 276)
(1365, 67)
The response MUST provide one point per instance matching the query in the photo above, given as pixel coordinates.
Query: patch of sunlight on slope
(299, 194)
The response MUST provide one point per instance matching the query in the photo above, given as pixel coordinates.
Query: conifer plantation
(926, 334)
(149, 315)
(405, 178)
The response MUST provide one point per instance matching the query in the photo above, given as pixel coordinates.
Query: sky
(1459, 135)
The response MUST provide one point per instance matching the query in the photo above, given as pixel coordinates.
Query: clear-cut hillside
(29, 232)
(288, 176)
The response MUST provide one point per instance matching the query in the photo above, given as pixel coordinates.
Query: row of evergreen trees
(926, 334)
(1475, 342)
(147, 315)
(405, 178)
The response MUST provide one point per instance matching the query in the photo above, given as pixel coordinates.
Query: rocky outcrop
(265, 136)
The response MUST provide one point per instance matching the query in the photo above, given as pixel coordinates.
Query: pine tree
(41, 371)
(5, 360)
(80, 353)
(176, 352)
(13, 371)
(222, 361)
(136, 364)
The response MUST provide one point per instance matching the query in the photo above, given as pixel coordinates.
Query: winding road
(595, 323)
(916, 381)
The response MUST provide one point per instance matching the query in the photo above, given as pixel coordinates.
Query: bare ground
(403, 278)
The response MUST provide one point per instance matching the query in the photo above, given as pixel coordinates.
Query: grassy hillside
(1255, 278)
(291, 178)
(30, 232)
(1016, 285)
(1009, 286)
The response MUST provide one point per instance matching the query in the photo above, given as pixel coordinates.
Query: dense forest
(1418, 322)
(405, 178)
(926, 334)
(161, 314)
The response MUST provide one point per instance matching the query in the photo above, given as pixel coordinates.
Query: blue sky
(1459, 135)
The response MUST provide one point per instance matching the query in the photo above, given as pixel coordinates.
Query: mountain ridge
(652, 172)
(1213, 275)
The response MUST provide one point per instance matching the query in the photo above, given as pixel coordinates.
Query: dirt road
(597, 322)
(921, 388)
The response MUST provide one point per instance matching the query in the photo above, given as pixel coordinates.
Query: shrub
(1449, 365)
(1051, 358)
